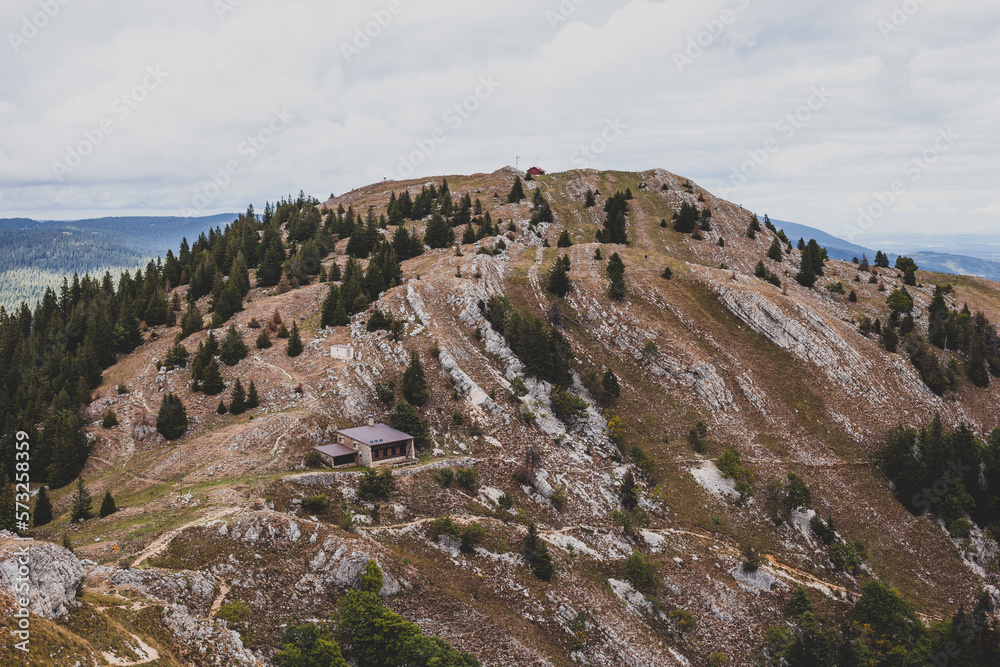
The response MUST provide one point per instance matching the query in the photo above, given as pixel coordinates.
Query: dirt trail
(161, 543)
(217, 603)
(144, 649)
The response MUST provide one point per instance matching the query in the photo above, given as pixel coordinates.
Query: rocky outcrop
(335, 566)
(52, 573)
(192, 589)
(806, 335)
(211, 640)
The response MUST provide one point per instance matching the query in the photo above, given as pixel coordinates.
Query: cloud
(367, 82)
(990, 209)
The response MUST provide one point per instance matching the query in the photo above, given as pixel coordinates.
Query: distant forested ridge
(35, 255)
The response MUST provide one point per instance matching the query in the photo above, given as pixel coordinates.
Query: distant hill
(38, 254)
(927, 260)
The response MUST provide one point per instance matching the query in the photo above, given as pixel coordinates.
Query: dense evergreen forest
(37, 254)
(52, 356)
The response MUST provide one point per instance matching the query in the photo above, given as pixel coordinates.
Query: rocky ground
(780, 374)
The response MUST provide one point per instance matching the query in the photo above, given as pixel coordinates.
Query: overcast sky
(807, 111)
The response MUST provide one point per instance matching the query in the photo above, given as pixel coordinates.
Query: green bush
(317, 504)
(468, 479)
(445, 525)
(374, 485)
(639, 572)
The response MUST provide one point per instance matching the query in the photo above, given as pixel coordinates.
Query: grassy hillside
(709, 360)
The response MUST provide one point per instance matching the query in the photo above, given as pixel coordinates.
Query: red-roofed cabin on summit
(370, 445)
(536, 171)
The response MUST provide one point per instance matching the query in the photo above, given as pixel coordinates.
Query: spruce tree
(628, 493)
(81, 503)
(536, 554)
(269, 271)
(978, 372)
(616, 272)
(211, 381)
(108, 506)
(233, 348)
(564, 240)
(774, 252)
(192, 321)
(43, 508)
(405, 418)
(610, 385)
(172, 421)
(889, 338)
(252, 399)
(294, 348)
(414, 382)
(228, 303)
(589, 199)
(558, 280)
(516, 193)
(222, 409)
(238, 400)
(439, 234)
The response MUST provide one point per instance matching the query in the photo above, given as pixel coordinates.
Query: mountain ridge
(709, 358)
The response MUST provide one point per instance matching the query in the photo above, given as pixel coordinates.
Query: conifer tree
(81, 503)
(252, 399)
(439, 234)
(211, 380)
(405, 418)
(108, 506)
(616, 272)
(589, 200)
(414, 382)
(564, 240)
(228, 303)
(172, 421)
(889, 338)
(233, 348)
(610, 386)
(516, 194)
(240, 273)
(628, 493)
(192, 321)
(294, 348)
(238, 400)
(558, 280)
(222, 409)
(43, 509)
(536, 554)
(774, 252)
